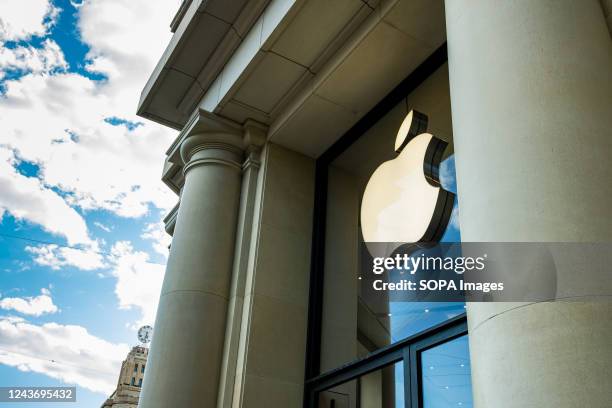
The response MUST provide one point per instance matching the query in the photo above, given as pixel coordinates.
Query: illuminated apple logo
(403, 201)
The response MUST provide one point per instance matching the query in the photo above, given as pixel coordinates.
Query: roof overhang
(206, 33)
(307, 69)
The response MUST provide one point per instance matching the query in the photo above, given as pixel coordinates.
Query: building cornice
(204, 126)
(178, 17)
(170, 219)
(206, 33)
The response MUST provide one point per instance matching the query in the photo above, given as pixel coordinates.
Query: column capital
(254, 138)
(204, 131)
(212, 148)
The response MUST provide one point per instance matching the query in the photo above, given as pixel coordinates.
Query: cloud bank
(31, 305)
(68, 353)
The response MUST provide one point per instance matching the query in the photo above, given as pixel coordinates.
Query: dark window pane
(382, 388)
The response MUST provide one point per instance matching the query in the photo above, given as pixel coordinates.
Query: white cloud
(157, 233)
(65, 352)
(101, 166)
(127, 38)
(19, 21)
(30, 305)
(56, 257)
(138, 281)
(447, 174)
(58, 120)
(453, 222)
(43, 60)
(26, 198)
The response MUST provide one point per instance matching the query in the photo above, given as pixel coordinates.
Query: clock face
(145, 333)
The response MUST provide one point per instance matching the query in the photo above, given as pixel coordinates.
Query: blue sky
(82, 249)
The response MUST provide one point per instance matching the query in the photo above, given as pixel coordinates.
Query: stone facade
(130, 380)
(260, 90)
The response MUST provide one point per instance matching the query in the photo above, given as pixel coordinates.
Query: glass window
(136, 368)
(383, 388)
(140, 382)
(446, 375)
(354, 324)
(133, 381)
(142, 368)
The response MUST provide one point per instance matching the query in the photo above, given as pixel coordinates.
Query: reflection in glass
(382, 388)
(446, 378)
(355, 324)
(408, 318)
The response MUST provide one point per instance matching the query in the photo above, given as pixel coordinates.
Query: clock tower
(130, 380)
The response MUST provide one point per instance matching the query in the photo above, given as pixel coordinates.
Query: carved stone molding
(170, 219)
(208, 139)
(205, 130)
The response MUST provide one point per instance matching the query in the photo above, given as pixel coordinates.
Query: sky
(82, 248)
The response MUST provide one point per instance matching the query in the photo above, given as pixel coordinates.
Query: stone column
(246, 237)
(185, 358)
(531, 91)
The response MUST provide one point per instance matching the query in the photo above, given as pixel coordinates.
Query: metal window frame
(406, 350)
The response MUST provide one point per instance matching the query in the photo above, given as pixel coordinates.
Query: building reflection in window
(382, 388)
(408, 318)
(446, 379)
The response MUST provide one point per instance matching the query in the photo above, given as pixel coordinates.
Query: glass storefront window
(446, 377)
(353, 325)
(429, 370)
(383, 388)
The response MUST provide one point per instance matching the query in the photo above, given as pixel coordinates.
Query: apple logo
(403, 202)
